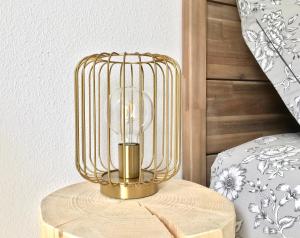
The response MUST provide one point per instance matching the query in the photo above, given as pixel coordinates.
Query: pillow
(271, 29)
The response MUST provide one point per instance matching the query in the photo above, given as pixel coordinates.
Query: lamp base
(128, 188)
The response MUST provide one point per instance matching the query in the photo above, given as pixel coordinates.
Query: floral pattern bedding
(271, 29)
(262, 179)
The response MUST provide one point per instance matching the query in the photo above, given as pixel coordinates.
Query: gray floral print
(271, 29)
(262, 178)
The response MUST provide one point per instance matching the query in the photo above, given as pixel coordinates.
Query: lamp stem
(129, 160)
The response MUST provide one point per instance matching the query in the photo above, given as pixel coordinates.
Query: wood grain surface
(194, 90)
(230, 2)
(241, 111)
(228, 57)
(179, 209)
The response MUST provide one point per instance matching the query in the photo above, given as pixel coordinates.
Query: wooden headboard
(227, 98)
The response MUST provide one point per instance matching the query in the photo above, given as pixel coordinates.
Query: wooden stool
(179, 209)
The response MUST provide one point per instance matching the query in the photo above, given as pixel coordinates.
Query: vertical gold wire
(177, 156)
(123, 108)
(77, 128)
(92, 77)
(177, 129)
(104, 167)
(89, 118)
(164, 115)
(179, 114)
(163, 78)
(163, 119)
(167, 116)
(155, 118)
(76, 88)
(141, 115)
(108, 119)
(169, 136)
(94, 119)
(86, 168)
(166, 101)
(172, 119)
(82, 65)
(83, 118)
(131, 102)
(89, 171)
(90, 74)
(152, 158)
(99, 115)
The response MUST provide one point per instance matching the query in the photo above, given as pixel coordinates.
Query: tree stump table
(179, 209)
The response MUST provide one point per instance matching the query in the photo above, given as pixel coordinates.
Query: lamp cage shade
(128, 122)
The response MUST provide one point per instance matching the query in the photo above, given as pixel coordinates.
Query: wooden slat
(209, 161)
(232, 98)
(227, 54)
(218, 143)
(194, 87)
(231, 2)
(240, 111)
(248, 123)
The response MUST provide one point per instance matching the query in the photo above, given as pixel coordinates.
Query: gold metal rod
(171, 120)
(109, 115)
(87, 169)
(99, 116)
(108, 118)
(95, 121)
(92, 77)
(179, 115)
(89, 116)
(141, 117)
(167, 115)
(155, 118)
(123, 108)
(152, 160)
(104, 167)
(76, 94)
(131, 103)
(152, 157)
(83, 141)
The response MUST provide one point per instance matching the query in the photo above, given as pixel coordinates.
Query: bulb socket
(129, 160)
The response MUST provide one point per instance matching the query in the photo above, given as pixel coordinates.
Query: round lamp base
(129, 188)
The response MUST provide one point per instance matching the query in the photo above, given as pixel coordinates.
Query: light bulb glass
(138, 112)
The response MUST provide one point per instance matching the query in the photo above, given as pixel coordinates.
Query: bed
(241, 107)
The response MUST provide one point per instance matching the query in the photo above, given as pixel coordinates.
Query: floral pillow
(262, 179)
(271, 29)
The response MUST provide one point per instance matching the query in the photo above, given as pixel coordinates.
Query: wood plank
(240, 111)
(249, 123)
(232, 98)
(227, 54)
(218, 143)
(231, 2)
(194, 90)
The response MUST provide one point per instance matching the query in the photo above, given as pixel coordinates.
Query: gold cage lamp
(128, 122)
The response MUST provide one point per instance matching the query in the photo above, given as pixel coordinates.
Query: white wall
(40, 43)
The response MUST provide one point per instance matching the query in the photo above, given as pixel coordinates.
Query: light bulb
(137, 112)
